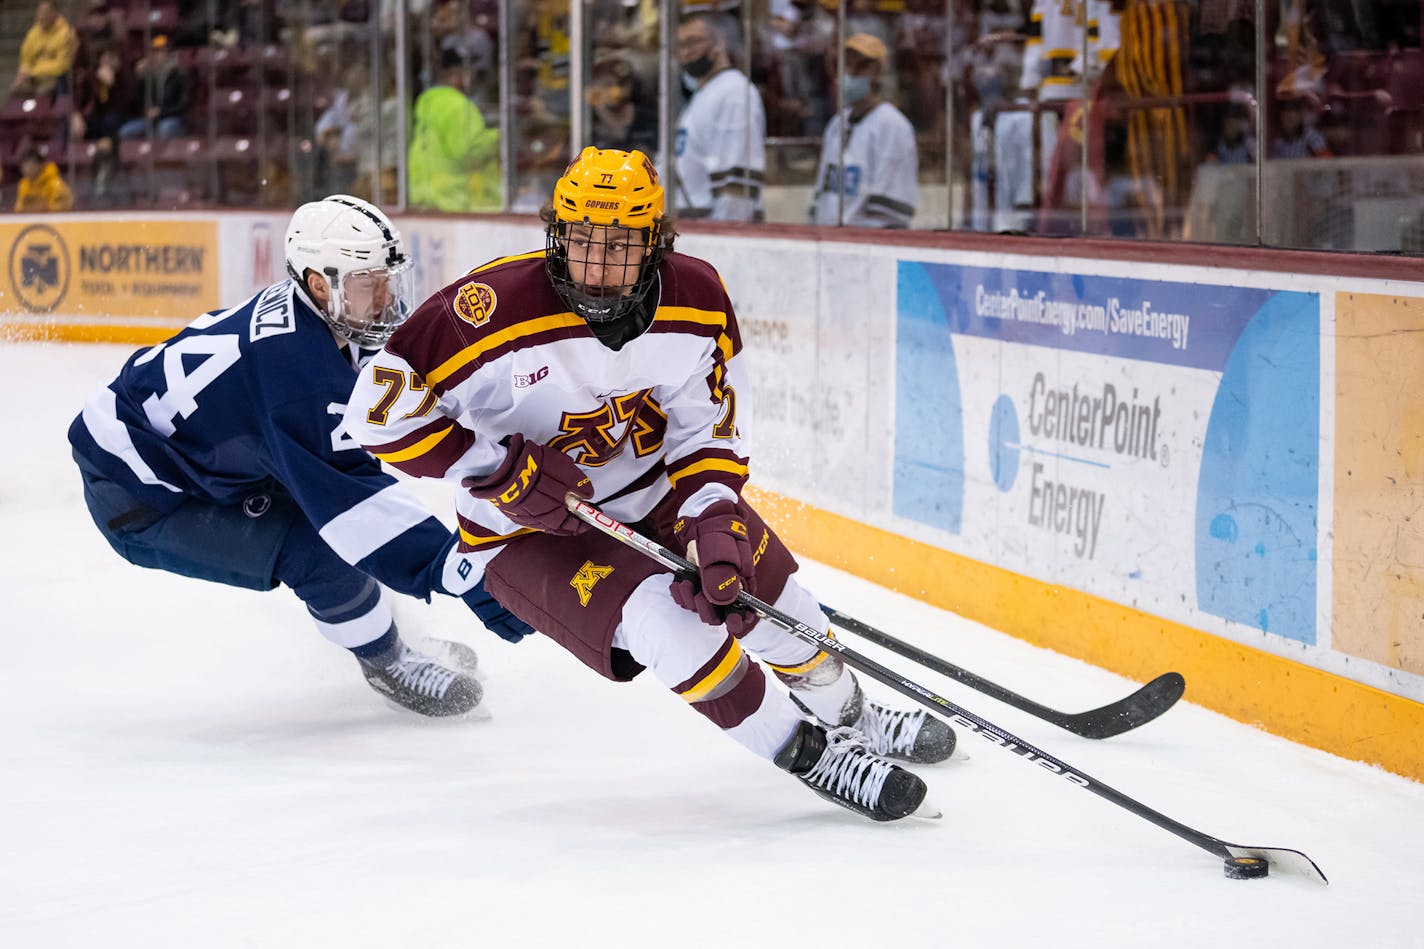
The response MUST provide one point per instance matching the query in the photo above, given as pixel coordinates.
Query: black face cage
(618, 298)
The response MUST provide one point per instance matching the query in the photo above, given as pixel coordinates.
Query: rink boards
(1146, 465)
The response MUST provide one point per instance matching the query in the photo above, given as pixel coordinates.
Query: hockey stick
(1139, 708)
(1237, 856)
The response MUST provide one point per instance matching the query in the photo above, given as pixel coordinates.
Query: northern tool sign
(166, 269)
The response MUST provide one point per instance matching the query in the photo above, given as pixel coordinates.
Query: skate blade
(926, 811)
(477, 714)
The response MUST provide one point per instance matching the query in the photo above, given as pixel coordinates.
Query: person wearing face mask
(624, 115)
(720, 150)
(873, 181)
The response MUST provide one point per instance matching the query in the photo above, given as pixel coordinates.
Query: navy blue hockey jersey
(247, 397)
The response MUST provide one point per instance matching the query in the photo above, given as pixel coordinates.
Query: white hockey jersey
(1104, 33)
(498, 352)
(720, 150)
(881, 171)
(1053, 55)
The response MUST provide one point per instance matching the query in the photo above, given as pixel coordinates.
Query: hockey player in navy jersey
(219, 454)
(609, 366)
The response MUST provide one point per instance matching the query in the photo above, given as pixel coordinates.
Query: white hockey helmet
(363, 258)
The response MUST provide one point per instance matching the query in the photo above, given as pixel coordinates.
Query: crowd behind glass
(1289, 123)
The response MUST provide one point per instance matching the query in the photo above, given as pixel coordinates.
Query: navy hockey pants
(256, 545)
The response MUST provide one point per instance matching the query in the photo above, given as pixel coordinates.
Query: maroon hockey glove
(530, 486)
(717, 541)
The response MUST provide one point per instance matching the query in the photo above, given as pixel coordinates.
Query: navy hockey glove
(530, 486)
(492, 613)
(716, 540)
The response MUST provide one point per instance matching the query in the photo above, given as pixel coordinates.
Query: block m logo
(583, 581)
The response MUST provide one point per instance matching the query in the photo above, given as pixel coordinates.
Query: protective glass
(368, 305)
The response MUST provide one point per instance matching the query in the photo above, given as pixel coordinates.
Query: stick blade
(1136, 710)
(1281, 858)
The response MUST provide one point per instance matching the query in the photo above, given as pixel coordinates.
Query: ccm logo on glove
(530, 486)
(526, 478)
(716, 540)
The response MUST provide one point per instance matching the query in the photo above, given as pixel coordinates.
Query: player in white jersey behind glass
(874, 183)
(720, 146)
(609, 366)
(219, 454)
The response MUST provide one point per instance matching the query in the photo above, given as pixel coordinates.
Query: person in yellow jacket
(41, 187)
(46, 54)
(454, 156)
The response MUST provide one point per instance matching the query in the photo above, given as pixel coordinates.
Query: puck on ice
(1246, 868)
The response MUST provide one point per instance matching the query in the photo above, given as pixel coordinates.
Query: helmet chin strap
(303, 290)
(335, 304)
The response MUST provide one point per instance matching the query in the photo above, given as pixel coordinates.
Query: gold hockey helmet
(609, 187)
(605, 241)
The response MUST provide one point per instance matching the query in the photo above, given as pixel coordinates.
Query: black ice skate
(909, 736)
(455, 654)
(432, 686)
(837, 766)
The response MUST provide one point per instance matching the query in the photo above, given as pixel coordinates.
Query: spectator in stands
(873, 182)
(46, 54)
(1237, 145)
(861, 17)
(228, 24)
(625, 115)
(243, 22)
(103, 103)
(453, 29)
(164, 92)
(919, 52)
(100, 27)
(454, 157)
(720, 149)
(338, 134)
(197, 24)
(781, 74)
(812, 57)
(1297, 136)
(542, 140)
(1339, 136)
(41, 188)
(993, 66)
(353, 151)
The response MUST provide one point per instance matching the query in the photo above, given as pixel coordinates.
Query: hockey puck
(1246, 868)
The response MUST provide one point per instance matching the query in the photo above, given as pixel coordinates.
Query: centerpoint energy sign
(118, 269)
(1153, 443)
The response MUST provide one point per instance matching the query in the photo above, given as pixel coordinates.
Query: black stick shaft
(1128, 713)
(952, 712)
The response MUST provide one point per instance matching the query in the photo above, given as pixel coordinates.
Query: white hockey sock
(807, 665)
(767, 729)
(675, 645)
(829, 701)
(774, 644)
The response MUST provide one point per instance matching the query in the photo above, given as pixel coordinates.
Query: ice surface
(187, 765)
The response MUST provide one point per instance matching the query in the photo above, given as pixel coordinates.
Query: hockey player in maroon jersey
(607, 365)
